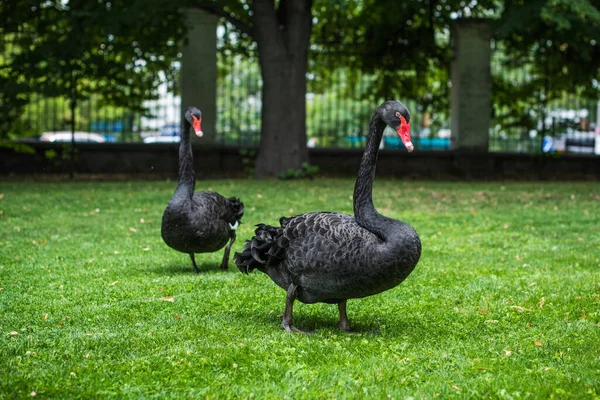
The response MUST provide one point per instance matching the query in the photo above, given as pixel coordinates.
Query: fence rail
(336, 118)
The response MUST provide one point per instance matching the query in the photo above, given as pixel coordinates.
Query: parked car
(169, 130)
(162, 139)
(65, 136)
(168, 133)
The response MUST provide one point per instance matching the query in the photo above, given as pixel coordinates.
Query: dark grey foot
(344, 325)
(288, 327)
(286, 324)
(225, 262)
(193, 258)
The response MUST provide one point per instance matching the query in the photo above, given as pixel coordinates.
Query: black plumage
(331, 257)
(200, 222)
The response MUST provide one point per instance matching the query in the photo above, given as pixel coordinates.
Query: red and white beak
(196, 125)
(404, 134)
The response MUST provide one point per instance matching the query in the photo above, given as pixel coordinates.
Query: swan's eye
(398, 114)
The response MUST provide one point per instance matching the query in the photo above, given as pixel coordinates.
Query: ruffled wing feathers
(267, 247)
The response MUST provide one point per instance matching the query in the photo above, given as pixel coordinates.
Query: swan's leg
(344, 324)
(193, 258)
(225, 262)
(287, 314)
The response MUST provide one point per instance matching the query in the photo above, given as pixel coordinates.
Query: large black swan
(330, 257)
(200, 222)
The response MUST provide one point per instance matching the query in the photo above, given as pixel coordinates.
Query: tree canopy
(73, 49)
(557, 39)
(124, 50)
(553, 43)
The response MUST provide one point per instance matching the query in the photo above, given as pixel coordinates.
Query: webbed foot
(288, 327)
(286, 324)
(344, 326)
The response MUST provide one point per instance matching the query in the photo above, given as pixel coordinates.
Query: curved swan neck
(364, 212)
(187, 181)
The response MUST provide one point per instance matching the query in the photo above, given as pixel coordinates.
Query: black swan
(200, 222)
(330, 257)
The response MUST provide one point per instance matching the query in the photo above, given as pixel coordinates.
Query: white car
(162, 139)
(65, 136)
(168, 133)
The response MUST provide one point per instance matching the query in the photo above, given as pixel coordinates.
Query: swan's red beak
(404, 133)
(196, 126)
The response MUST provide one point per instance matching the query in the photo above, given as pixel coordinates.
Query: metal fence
(569, 124)
(535, 122)
(336, 117)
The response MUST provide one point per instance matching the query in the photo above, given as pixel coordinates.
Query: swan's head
(396, 115)
(194, 117)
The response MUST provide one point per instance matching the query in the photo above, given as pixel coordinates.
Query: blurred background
(111, 71)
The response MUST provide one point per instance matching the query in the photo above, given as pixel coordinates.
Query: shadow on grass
(405, 327)
(314, 323)
(186, 268)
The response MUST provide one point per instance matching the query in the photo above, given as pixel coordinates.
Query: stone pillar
(199, 70)
(471, 85)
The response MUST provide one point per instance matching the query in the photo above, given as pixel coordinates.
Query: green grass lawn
(505, 302)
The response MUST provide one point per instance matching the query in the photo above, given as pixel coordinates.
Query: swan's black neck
(364, 212)
(187, 181)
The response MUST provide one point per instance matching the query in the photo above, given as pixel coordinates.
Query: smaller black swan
(330, 257)
(200, 222)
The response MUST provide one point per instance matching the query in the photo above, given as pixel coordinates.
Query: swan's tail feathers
(267, 247)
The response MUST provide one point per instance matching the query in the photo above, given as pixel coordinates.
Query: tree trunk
(283, 38)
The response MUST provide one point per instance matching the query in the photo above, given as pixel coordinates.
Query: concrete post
(199, 70)
(471, 85)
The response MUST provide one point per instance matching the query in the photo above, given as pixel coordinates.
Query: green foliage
(117, 50)
(53, 114)
(405, 47)
(17, 147)
(404, 44)
(503, 303)
(361, 51)
(557, 41)
(239, 99)
(249, 160)
(50, 154)
(340, 111)
(306, 172)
